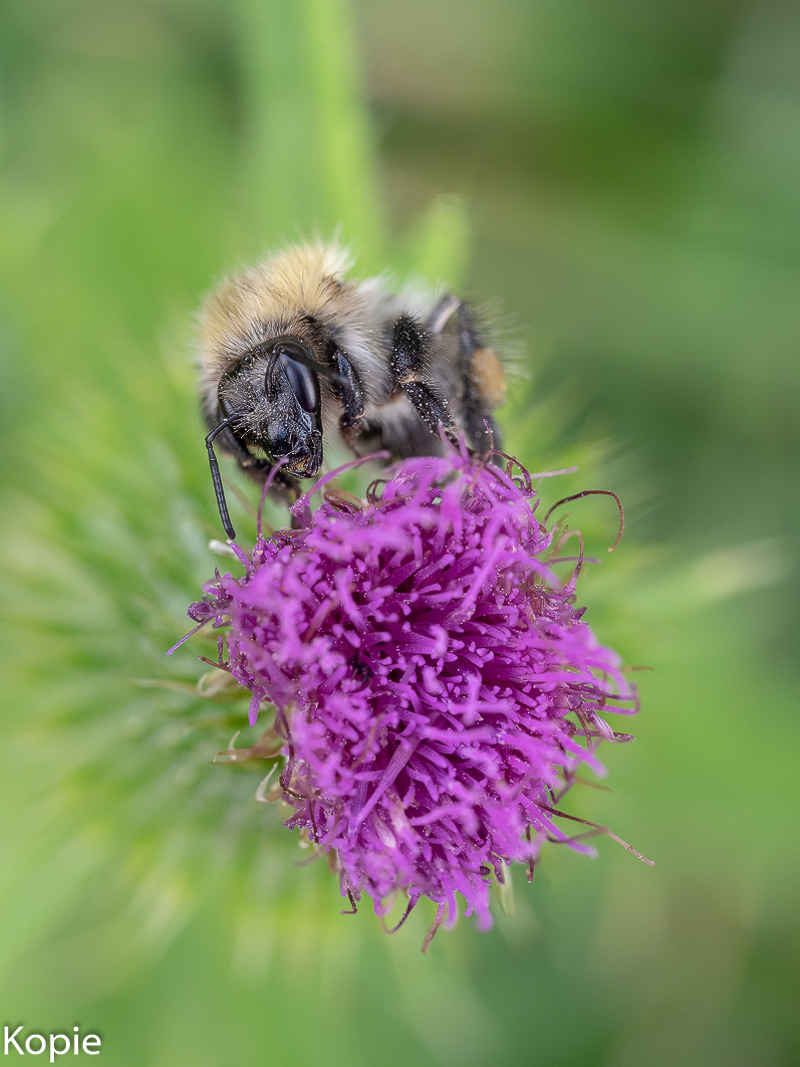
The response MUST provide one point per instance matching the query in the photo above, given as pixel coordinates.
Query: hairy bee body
(294, 356)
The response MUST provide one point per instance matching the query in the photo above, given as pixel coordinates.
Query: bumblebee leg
(444, 309)
(408, 365)
(351, 397)
(479, 369)
(482, 383)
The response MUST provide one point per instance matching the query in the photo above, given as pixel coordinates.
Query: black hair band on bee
(216, 477)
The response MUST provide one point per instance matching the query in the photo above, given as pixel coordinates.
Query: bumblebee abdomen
(489, 377)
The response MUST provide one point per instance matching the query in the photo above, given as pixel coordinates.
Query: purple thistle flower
(435, 687)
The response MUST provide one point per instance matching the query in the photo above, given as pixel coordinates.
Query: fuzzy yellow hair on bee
(294, 355)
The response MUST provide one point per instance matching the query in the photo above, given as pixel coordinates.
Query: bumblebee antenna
(216, 477)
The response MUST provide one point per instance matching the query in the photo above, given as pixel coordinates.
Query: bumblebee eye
(302, 380)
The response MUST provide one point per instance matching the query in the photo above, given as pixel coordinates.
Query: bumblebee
(294, 356)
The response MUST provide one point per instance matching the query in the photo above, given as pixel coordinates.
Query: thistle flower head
(435, 686)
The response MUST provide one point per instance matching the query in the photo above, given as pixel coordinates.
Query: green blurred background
(623, 178)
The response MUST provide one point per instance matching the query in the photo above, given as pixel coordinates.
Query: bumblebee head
(275, 391)
(270, 404)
